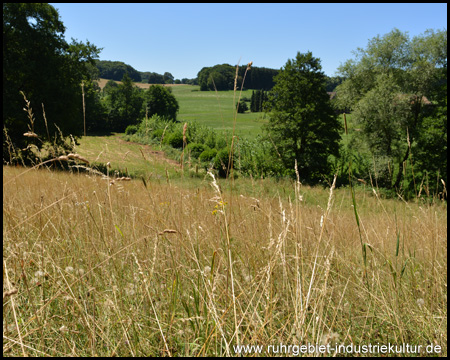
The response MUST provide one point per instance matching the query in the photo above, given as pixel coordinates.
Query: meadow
(217, 111)
(178, 265)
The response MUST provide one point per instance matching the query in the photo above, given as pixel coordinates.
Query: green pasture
(217, 110)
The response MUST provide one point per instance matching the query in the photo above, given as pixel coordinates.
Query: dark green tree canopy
(160, 101)
(115, 70)
(168, 78)
(223, 76)
(303, 124)
(38, 61)
(124, 103)
(155, 78)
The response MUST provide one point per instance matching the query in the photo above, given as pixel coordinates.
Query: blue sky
(183, 38)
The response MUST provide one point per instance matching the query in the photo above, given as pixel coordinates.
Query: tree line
(115, 70)
(222, 77)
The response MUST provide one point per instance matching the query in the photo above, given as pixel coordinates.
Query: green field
(217, 110)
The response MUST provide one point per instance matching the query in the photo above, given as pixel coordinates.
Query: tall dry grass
(133, 269)
(96, 266)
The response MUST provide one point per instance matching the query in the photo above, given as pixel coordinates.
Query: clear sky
(183, 38)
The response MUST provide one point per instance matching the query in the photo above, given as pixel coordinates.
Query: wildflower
(207, 270)
(69, 269)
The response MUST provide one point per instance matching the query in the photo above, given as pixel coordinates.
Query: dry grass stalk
(30, 134)
(168, 231)
(9, 293)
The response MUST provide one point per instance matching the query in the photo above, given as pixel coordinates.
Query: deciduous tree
(389, 86)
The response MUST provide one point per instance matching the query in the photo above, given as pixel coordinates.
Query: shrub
(131, 129)
(157, 134)
(174, 139)
(221, 161)
(196, 149)
(241, 107)
(221, 142)
(207, 155)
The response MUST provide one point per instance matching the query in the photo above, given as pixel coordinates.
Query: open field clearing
(155, 268)
(217, 110)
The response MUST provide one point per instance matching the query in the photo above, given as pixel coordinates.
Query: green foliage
(174, 139)
(38, 61)
(387, 87)
(115, 70)
(168, 78)
(430, 150)
(220, 75)
(124, 105)
(224, 75)
(257, 100)
(241, 107)
(207, 155)
(131, 129)
(160, 101)
(155, 78)
(256, 158)
(333, 82)
(195, 149)
(222, 161)
(96, 118)
(303, 124)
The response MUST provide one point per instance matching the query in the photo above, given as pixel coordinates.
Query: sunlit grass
(142, 269)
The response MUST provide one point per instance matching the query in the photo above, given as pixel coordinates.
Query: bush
(207, 155)
(196, 149)
(221, 161)
(221, 142)
(242, 107)
(157, 134)
(174, 139)
(131, 129)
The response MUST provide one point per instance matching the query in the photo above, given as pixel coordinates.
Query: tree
(125, 105)
(155, 78)
(241, 107)
(168, 78)
(302, 122)
(388, 87)
(96, 119)
(115, 70)
(38, 61)
(161, 101)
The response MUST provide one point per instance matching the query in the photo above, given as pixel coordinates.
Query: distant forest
(222, 76)
(115, 70)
